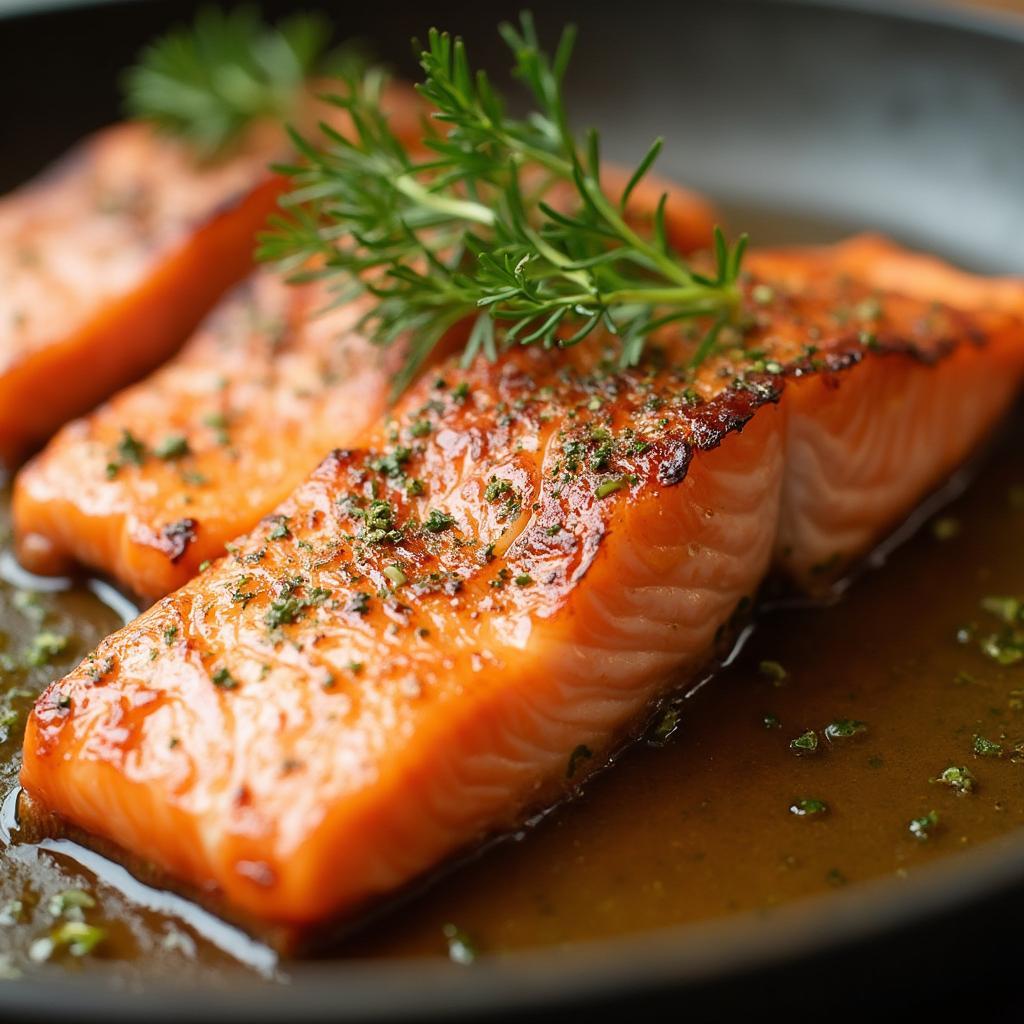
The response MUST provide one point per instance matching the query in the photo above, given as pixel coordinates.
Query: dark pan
(904, 118)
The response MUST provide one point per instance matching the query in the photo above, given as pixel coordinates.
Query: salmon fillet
(824, 527)
(453, 624)
(158, 480)
(241, 417)
(111, 258)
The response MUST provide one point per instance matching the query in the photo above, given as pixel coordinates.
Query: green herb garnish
(808, 807)
(395, 575)
(957, 778)
(496, 488)
(609, 487)
(77, 937)
(922, 828)
(774, 671)
(1006, 647)
(223, 679)
(70, 903)
(281, 529)
(806, 743)
(844, 728)
(44, 647)
(130, 451)
(174, 446)
(987, 748)
(283, 610)
(666, 724)
(207, 83)
(1006, 608)
(390, 465)
(470, 231)
(438, 521)
(378, 523)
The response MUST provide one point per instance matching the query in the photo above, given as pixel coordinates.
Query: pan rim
(420, 988)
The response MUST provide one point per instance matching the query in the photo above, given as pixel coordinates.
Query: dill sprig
(208, 82)
(474, 224)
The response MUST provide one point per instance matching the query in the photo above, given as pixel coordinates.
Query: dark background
(821, 112)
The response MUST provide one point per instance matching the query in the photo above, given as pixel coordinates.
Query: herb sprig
(208, 82)
(473, 226)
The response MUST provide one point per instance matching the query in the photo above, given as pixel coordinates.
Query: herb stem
(460, 209)
(467, 231)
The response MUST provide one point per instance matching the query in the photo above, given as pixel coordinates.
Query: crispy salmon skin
(158, 480)
(455, 622)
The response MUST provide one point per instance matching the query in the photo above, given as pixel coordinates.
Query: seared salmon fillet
(111, 258)
(156, 482)
(824, 525)
(109, 261)
(454, 623)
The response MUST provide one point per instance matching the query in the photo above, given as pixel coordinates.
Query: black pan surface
(905, 118)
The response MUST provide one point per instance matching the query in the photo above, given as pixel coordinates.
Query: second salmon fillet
(111, 258)
(454, 624)
(162, 477)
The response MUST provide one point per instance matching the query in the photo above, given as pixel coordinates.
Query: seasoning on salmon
(110, 259)
(158, 480)
(412, 651)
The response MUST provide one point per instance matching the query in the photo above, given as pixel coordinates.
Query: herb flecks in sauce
(983, 747)
(461, 948)
(845, 728)
(808, 807)
(959, 779)
(774, 671)
(805, 743)
(923, 828)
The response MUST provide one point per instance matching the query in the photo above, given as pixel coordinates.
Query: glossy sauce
(697, 826)
(701, 826)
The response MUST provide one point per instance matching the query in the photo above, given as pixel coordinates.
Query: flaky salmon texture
(454, 623)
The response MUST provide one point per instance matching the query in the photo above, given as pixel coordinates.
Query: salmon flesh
(451, 624)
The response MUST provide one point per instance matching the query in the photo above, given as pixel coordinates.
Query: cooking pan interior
(898, 119)
(804, 121)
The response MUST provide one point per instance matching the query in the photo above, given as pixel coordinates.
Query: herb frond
(206, 83)
(498, 220)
